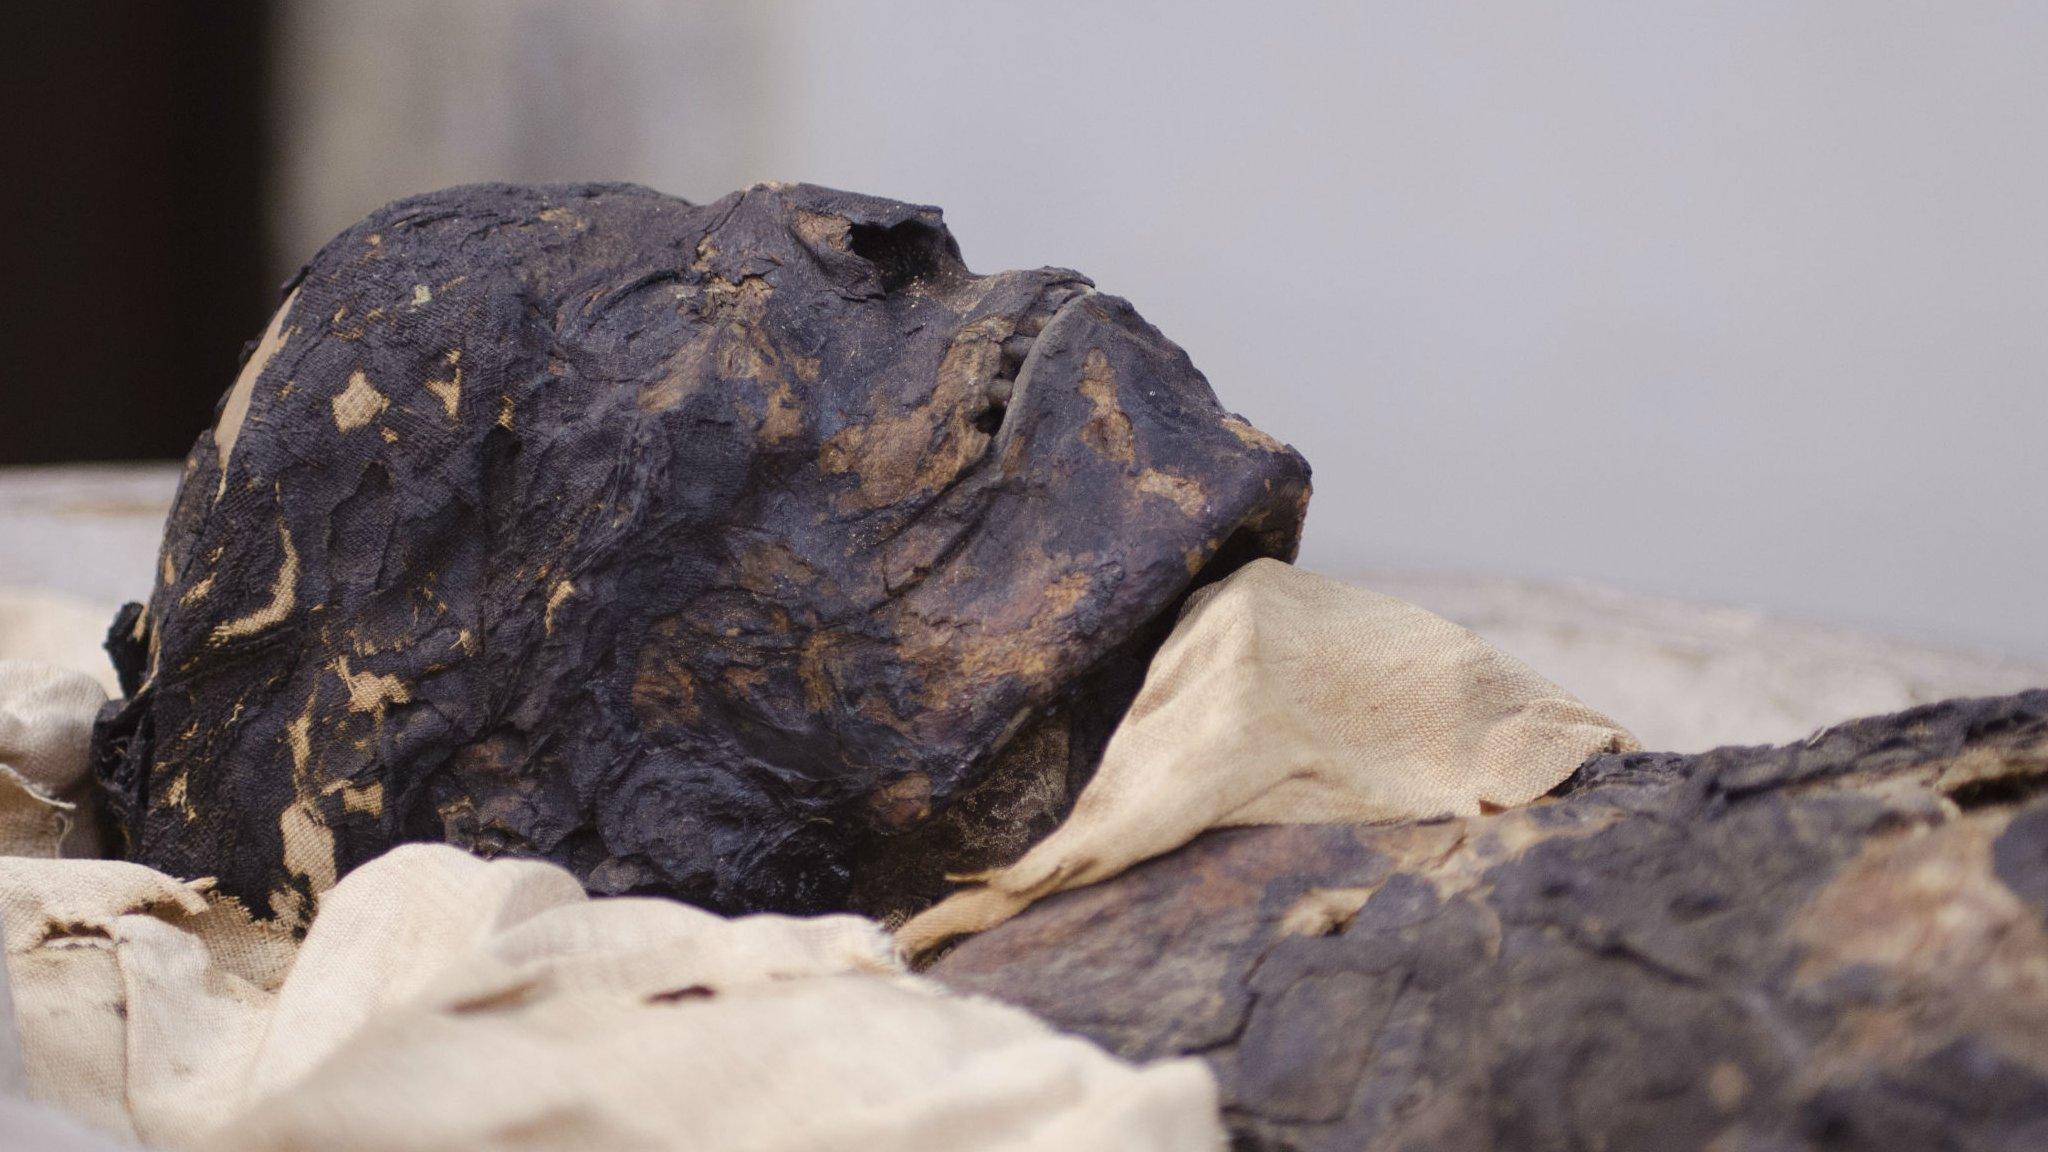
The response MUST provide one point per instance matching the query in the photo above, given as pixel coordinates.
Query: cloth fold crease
(1284, 697)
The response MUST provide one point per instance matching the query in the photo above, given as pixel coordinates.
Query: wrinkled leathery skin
(706, 550)
(1836, 944)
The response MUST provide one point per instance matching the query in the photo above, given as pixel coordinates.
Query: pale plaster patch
(284, 593)
(236, 410)
(449, 391)
(370, 692)
(358, 404)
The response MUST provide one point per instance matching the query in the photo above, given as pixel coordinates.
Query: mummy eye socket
(902, 254)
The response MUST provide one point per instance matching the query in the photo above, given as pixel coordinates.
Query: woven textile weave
(1284, 697)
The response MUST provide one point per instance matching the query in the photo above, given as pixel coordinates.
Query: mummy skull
(714, 551)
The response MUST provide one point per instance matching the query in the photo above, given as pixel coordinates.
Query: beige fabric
(31, 1127)
(441, 1001)
(627, 1024)
(1284, 697)
(46, 628)
(46, 717)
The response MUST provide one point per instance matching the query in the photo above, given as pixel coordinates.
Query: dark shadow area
(131, 222)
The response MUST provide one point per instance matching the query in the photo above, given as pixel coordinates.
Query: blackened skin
(698, 549)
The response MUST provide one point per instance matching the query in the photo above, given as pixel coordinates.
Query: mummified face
(704, 550)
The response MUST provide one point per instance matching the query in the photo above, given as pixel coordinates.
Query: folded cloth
(1284, 697)
(46, 716)
(53, 678)
(443, 1001)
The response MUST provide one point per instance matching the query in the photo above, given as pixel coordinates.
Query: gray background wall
(1738, 302)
